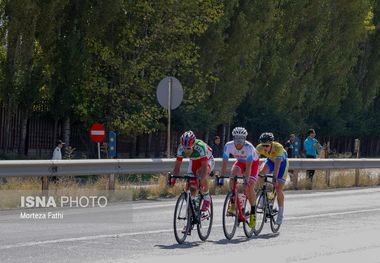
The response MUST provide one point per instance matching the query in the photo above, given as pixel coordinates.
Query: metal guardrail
(154, 166)
(45, 168)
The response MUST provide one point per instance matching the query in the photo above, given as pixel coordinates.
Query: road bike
(187, 212)
(232, 219)
(266, 205)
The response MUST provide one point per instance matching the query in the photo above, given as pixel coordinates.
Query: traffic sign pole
(98, 150)
(169, 94)
(169, 117)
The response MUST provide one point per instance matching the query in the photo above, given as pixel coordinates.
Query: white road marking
(84, 238)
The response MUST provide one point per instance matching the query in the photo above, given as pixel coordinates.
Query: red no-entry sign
(97, 132)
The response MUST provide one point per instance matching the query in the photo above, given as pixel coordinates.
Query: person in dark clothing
(216, 147)
(289, 146)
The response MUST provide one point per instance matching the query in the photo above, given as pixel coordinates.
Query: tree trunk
(24, 126)
(134, 145)
(66, 131)
(12, 42)
(148, 151)
(228, 131)
(207, 135)
(224, 134)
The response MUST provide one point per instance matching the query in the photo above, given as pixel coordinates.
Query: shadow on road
(232, 241)
(245, 239)
(266, 236)
(179, 246)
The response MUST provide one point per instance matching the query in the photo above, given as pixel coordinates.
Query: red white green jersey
(200, 152)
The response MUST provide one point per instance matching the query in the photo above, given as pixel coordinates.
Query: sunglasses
(266, 145)
(188, 149)
(239, 140)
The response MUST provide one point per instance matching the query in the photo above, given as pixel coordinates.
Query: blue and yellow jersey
(277, 152)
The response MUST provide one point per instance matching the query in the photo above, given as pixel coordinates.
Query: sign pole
(98, 150)
(169, 94)
(169, 117)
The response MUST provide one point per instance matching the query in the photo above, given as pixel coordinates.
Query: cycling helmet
(266, 137)
(187, 139)
(239, 131)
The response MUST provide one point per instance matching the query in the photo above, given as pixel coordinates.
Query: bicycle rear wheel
(246, 213)
(182, 218)
(205, 222)
(275, 227)
(260, 212)
(230, 220)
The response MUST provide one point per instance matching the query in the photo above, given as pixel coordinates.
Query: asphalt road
(324, 226)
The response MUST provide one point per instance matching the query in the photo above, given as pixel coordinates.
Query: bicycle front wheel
(260, 212)
(274, 213)
(205, 222)
(230, 218)
(181, 218)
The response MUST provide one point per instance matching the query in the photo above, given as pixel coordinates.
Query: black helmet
(266, 137)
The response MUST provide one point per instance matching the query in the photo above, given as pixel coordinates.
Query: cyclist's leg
(282, 176)
(250, 192)
(236, 170)
(204, 188)
(193, 184)
(266, 169)
(204, 179)
(249, 189)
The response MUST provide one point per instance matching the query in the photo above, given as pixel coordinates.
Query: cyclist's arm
(177, 166)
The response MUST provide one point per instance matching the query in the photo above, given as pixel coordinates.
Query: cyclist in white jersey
(247, 163)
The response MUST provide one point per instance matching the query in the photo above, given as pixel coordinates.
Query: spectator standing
(311, 146)
(296, 147)
(57, 154)
(217, 148)
(289, 146)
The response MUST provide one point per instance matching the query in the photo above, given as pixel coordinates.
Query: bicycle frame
(241, 216)
(193, 210)
(265, 190)
(194, 214)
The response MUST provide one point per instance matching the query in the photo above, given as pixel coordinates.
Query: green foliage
(268, 65)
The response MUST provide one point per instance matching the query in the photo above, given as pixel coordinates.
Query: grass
(154, 187)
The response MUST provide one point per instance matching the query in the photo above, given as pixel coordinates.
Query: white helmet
(239, 131)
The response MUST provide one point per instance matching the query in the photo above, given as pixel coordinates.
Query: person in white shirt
(57, 154)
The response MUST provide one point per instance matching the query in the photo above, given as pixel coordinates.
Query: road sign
(97, 132)
(169, 94)
(169, 87)
(112, 144)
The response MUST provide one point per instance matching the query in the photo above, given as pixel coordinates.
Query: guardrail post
(45, 184)
(328, 173)
(357, 171)
(294, 178)
(357, 177)
(111, 182)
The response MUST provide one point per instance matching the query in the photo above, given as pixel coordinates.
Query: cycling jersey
(201, 152)
(277, 152)
(247, 153)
